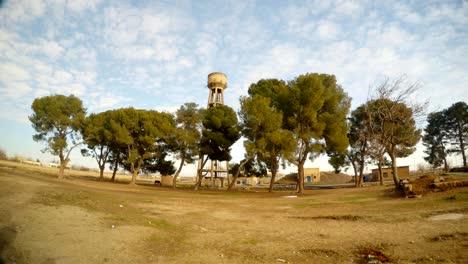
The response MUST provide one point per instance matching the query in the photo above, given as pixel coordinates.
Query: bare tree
(392, 113)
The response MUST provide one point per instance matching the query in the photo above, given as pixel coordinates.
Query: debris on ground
(332, 217)
(430, 183)
(372, 255)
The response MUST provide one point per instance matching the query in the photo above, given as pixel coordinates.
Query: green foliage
(456, 128)
(313, 108)
(253, 167)
(445, 128)
(220, 131)
(144, 135)
(317, 111)
(338, 161)
(57, 118)
(99, 138)
(434, 140)
(393, 126)
(187, 134)
(261, 124)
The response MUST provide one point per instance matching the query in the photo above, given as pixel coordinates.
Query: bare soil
(46, 220)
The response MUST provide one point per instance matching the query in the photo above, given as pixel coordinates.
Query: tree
(188, 120)
(315, 113)
(394, 127)
(392, 119)
(57, 120)
(456, 128)
(220, 131)
(261, 125)
(337, 161)
(434, 140)
(98, 137)
(143, 134)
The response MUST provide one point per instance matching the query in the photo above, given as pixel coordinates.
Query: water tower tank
(217, 80)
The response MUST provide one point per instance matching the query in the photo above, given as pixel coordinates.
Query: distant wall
(311, 175)
(403, 172)
(166, 180)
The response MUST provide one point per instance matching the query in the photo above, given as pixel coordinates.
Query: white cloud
(11, 72)
(51, 49)
(328, 30)
(22, 11)
(62, 76)
(15, 90)
(78, 6)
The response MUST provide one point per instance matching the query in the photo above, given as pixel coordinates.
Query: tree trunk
(174, 180)
(462, 143)
(202, 163)
(396, 180)
(63, 165)
(300, 177)
(101, 172)
(116, 165)
(446, 167)
(234, 179)
(380, 171)
(134, 172)
(274, 169)
(361, 173)
(355, 173)
(61, 171)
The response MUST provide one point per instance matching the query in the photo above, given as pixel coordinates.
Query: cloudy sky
(157, 54)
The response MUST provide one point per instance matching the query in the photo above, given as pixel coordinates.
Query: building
(311, 175)
(403, 172)
(247, 181)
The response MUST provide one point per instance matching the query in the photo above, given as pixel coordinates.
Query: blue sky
(157, 54)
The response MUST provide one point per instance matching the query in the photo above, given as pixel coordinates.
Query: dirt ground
(46, 220)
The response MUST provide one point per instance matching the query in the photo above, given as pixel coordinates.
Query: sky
(157, 54)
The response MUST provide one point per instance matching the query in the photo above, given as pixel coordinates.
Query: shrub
(3, 155)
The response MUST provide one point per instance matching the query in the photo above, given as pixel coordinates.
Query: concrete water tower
(217, 82)
(217, 172)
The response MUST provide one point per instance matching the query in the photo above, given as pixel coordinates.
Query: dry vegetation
(45, 220)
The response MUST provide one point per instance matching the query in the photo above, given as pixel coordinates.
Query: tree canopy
(446, 133)
(144, 134)
(220, 131)
(57, 120)
(187, 137)
(99, 138)
(261, 125)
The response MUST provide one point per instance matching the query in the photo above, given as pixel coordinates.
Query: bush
(3, 155)
(459, 169)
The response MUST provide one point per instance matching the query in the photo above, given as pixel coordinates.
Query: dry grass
(146, 224)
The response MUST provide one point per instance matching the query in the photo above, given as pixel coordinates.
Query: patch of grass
(168, 243)
(461, 196)
(449, 236)
(249, 241)
(356, 199)
(309, 202)
(56, 198)
(318, 251)
(118, 218)
(159, 224)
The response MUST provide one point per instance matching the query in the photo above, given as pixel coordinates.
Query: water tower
(217, 82)
(216, 172)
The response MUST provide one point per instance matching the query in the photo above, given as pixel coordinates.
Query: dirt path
(44, 220)
(36, 233)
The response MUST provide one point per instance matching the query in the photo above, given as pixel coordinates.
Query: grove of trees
(282, 122)
(446, 133)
